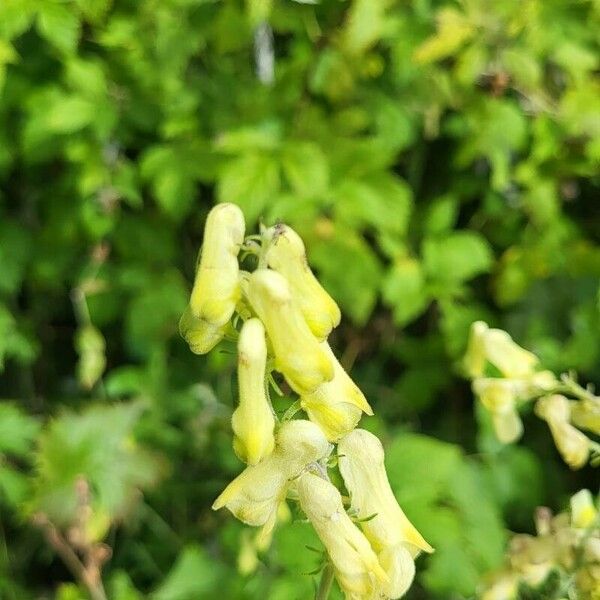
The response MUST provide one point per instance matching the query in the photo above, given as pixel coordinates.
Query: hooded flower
(286, 255)
(216, 287)
(355, 564)
(254, 496)
(498, 348)
(336, 405)
(502, 396)
(573, 445)
(499, 397)
(298, 355)
(253, 421)
(394, 538)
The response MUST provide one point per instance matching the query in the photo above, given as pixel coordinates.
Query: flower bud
(253, 421)
(573, 445)
(216, 287)
(298, 354)
(286, 255)
(583, 509)
(361, 461)
(355, 564)
(336, 405)
(254, 495)
(499, 396)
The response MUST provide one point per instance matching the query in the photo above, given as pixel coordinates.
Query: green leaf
(96, 444)
(172, 181)
(365, 25)
(193, 575)
(59, 25)
(350, 271)
(17, 430)
(249, 181)
(305, 167)
(404, 291)
(457, 257)
(70, 114)
(380, 200)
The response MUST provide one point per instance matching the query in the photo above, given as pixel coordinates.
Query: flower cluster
(562, 560)
(282, 318)
(506, 376)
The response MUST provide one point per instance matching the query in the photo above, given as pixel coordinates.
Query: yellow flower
(201, 335)
(497, 347)
(586, 415)
(355, 564)
(286, 255)
(399, 566)
(583, 509)
(361, 460)
(298, 354)
(573, 445)
(475, 357)
(499, 396)
(253, 421)
(254, 495)
(336, 405)
(216, 287)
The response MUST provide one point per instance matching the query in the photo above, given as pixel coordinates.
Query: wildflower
(583, 510)
(286, 255)
(298, 354)
(355, 564)
(216, 287)
(336, 405)
(586, 415)
(499, 397)
(253, 421)
(394, 538)
(573, 445)
(498, 348)
(361, 460)
(254, 495)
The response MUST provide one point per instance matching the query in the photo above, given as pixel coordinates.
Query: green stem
(325, 583)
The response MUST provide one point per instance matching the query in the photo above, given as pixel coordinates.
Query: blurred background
(441, 160)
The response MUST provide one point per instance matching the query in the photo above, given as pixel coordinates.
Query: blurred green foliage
(441, 160)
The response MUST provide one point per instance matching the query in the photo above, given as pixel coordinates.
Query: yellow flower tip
(474, 360)
(253, 421)
(356, 565)
(583, 509)
(298, 354)
(216, 287)
(505, 354)
(573, 445)
(399, 565)
(286, 255)
(336, 405)
(201, 335)
(335, 420)
(499, 397)
(361, 461)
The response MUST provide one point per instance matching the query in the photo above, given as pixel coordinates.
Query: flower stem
(325, 583)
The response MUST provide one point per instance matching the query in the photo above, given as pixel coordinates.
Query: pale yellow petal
(286, 254)
(253, 421)
(298, 354)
